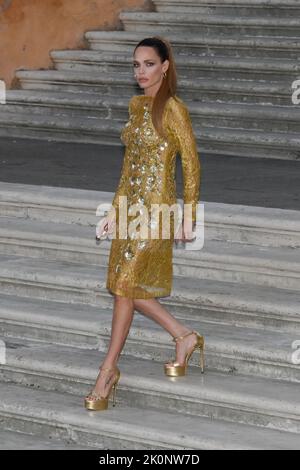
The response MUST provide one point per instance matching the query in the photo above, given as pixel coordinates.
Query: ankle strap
(176, 338)
(108, 369)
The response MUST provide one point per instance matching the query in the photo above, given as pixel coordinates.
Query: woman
(140, 269)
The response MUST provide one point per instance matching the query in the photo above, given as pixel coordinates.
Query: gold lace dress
(142, 268)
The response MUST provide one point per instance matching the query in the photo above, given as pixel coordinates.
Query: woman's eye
(137, 65)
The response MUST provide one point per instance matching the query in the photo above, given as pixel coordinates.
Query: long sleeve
(124, 177)
(125, 172)
(181, 126)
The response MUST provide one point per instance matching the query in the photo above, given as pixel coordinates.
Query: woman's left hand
(185, 232)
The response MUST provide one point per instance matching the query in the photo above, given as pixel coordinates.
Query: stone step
(230, 349)
(266, 8)
(260, 402)
(223, 141)
(58, 128)
(87, 105)
(249, 305)
(188, 67)
(91, 106)
(10, 440)
(58, 415)
(200, 44)
(213, 24)
(225, 222)
(204, 89)
(214, 260)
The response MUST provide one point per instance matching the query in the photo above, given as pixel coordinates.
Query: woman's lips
(143, 79)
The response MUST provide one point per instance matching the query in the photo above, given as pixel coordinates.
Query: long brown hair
(169, 84)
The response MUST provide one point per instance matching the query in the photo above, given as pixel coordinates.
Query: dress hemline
(124, 293)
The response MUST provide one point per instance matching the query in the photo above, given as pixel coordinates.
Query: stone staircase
(236, 64)
(241, 291)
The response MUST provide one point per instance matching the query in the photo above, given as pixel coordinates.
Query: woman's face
(148, 68)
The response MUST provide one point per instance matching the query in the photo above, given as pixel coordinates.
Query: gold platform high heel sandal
(176, 369)
(93, 401)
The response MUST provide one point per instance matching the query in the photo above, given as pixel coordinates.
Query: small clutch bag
(101, 237)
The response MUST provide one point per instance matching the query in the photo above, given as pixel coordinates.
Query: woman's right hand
(105, 226)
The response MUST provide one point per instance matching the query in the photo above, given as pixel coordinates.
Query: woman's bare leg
(153, 309)
(121, 321)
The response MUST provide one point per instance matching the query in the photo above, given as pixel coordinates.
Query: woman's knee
(123, 300)
(138, 302)
(142, 303)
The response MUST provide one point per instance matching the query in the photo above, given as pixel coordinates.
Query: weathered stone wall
(29, 30)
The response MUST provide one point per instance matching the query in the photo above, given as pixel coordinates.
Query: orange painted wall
(30, 29)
